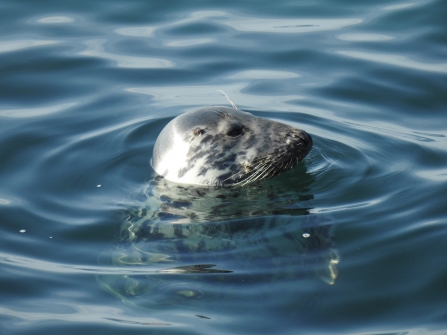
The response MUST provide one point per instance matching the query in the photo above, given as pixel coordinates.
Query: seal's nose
(306, 138)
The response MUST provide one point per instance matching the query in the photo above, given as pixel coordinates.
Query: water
(85, 87)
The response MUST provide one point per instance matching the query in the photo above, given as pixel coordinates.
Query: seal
(185, 245)
(223, 146)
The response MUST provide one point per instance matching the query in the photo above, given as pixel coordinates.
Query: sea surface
(85, 88)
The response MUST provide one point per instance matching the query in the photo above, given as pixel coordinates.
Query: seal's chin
(274, 163)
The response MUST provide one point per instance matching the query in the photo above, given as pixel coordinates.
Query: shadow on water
(195, 247)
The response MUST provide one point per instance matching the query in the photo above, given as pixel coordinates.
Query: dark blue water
(85, 88)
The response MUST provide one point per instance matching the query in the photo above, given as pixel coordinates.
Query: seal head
(222, 146)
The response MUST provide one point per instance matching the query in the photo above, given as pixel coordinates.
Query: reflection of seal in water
(181, 242)
(220, 146)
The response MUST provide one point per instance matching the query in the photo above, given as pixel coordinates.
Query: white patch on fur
(174, 159)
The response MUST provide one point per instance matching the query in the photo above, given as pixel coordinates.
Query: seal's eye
(198, 132)
(235, 131)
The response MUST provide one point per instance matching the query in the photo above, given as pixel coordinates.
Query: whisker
(233, 175)
(266, 172)
(232, 103)
(254, 176)
(262, 168)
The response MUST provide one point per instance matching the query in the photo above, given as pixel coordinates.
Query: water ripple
(55, 19)
(365, 37)
(395, 60)
(288, 26)
(79, 313)
(35, 112)
(95, 49)
(14, 45)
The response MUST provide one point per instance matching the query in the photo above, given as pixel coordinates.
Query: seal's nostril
(305, 137)
(293, 137)
(308, 139)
